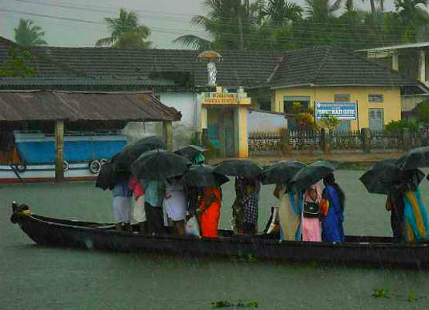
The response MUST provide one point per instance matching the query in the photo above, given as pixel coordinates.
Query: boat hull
(368, 250)
(44, 173)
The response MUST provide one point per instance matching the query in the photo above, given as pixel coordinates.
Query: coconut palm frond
(194, 42)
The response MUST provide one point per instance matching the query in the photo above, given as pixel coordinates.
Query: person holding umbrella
(208, 211)
(205, 197)
(153, 168)
(395, 205)
(332, 221)
(154, 195)
(294, 208)
(399, 179)
(139, 214)
(175, 203)
(281, 173)
(311, 214)
(245, 208)
(122, 204)
(247, 187)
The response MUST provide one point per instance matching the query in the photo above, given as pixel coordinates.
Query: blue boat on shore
(84, 153)
(39, 148)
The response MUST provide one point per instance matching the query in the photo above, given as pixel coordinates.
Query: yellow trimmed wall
(391, 104)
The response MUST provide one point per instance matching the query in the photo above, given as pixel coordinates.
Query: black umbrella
(311, 174)
(132, 151)
(105, 178)
(239, 168)
(281, 172)
(159, 165)
(190, 151)
(203, 175)
(415, 158)
(109, 174)
(385, 176)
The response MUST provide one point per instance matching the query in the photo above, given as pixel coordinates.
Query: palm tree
(28, 34)
(281, 11)
(412, 17)
(322, 10)
(126, 32)
(230, 23)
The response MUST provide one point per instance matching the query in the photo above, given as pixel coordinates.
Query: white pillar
(422, 66)
(395, 60)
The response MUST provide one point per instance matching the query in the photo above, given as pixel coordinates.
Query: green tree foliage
(17, 65)
(283, 24)
(232, 24)
(423, 113)
(397, 126)
(330, 122)
(126, 32)
(28, 34)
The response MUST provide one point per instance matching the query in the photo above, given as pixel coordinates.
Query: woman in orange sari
(208, 211)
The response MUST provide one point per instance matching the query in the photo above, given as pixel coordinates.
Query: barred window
(375, 98)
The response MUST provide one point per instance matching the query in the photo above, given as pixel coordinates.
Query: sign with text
(221, 98)
(341, 110)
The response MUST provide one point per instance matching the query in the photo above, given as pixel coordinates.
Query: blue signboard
(341, 110)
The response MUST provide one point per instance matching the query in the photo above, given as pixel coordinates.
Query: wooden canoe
(376, 251)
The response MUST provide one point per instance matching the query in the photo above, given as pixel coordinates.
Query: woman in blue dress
(332, 222)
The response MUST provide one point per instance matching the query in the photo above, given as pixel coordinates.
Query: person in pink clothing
(139, 214)
(310, 224)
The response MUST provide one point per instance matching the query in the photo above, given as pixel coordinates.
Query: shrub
(397, 126)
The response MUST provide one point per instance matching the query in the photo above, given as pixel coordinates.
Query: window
(376, 119)
(265, 104)
(342, 97)
(375, 98)
(291, 104)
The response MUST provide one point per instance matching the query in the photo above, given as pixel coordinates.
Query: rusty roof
(16, 106)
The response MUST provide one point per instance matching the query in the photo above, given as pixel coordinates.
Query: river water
(33, 277)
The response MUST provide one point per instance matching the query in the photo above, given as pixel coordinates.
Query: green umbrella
(159, 165)
(281, 172)
(239, 168)
(311, 174)
(385, 176)
(415, 158)
(204, 175)
(132, 151)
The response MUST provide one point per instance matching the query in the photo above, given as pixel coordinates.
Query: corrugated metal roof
(18, 106)
(396, 47)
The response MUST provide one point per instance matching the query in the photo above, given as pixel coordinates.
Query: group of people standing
(155, 205)
(308, 215)
(311, 214)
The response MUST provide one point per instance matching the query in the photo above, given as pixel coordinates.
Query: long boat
(377, 251)
(32, 159)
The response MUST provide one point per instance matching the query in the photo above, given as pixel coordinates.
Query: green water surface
(33, 277)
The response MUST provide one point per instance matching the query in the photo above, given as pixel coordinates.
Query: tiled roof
(329, 66)
(92, 66)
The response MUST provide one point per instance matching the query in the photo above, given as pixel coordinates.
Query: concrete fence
(289, 141)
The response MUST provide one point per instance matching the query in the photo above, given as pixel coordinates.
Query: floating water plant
(235, 304)
(380, 293)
